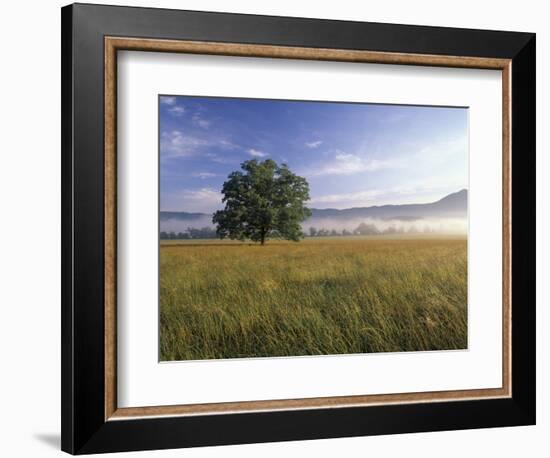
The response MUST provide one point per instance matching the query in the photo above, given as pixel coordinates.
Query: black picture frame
(84, 429)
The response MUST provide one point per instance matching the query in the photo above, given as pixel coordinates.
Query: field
(320, 296)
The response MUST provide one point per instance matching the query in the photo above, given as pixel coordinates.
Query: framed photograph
(281, 228)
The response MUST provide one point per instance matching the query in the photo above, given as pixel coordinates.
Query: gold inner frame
(114, 44)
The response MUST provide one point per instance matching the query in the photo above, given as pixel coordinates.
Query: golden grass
(316, 297)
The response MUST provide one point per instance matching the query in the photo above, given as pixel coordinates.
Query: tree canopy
(263, 200)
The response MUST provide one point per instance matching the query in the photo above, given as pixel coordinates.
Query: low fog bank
(373, 226)
(179, 225)
(334, 226)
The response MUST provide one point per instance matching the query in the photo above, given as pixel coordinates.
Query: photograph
(300, 228)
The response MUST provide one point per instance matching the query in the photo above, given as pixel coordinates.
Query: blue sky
(352, 155)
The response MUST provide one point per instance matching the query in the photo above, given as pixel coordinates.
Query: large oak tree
(263, 200)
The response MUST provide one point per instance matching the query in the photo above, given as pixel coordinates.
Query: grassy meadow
(320, 296)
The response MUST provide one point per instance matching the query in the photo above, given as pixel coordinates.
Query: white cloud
(226, 144)
(256, 153)
(167, 100)
(171, 101)
(220, 159)
(176, 144)
(204, 175)
(206, 194)
(193, 200)
(349, 164)
(201, 122)
(177, 110)
(429, 189)
(439, 152)
(314, 144)
(347, 198)
(397, 195)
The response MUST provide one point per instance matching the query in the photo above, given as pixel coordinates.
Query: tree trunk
(263, 234)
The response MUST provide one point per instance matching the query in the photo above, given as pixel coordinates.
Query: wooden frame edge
(112, 45)
(507, 227)
(110, 201)
(291, 52)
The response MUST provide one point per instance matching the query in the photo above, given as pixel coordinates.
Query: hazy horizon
(446, 220)
(332, 208)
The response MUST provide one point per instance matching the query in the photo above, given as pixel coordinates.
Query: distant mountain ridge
(454, 205)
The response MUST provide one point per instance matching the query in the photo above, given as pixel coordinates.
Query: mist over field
(445, 216)
(182, 225)
(434, 225)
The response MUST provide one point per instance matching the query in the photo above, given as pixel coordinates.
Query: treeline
(362, 229)
(367, 229)
(190, 233)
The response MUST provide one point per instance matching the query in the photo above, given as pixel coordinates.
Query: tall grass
(316, 297)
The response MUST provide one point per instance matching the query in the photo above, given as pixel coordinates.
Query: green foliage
(262, 201)
(322, 296)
